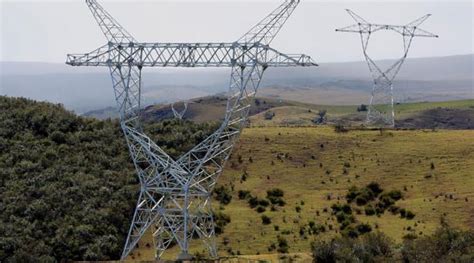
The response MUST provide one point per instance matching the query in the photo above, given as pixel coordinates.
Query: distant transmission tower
(381, 110)
(179, 114)
(175, 195)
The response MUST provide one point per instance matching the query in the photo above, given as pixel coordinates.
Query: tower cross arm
(187, 55)
(278, 59)
(365, 28)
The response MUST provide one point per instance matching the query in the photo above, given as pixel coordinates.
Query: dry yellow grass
(395, 159)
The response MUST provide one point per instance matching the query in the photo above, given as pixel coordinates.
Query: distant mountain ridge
(84, 89)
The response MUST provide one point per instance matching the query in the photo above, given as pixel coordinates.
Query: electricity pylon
(381, 110)
(179, 114)
(175, 195)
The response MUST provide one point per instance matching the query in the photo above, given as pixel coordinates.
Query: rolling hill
(345, 83)
(316, 166)
(68, 189)
(445, 115)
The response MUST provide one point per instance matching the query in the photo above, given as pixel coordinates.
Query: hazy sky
(48, 30)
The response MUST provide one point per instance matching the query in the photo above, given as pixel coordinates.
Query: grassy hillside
(315, 167)
(68, 187)
(445, 115)
(212, 108)
(319, 167)
(449, 114)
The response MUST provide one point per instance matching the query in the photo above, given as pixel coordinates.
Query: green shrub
(364, 195)
(394, 209)
(372, 247)
(363, 228)
(352, 194)
(345, 208)
(253, 201)
(220, 221)
(275, 196)
(403, 212)
(447, 244)
(324, 251)
(350, 232)
(385, 201)
(375, 188)
(269, 115)
(243, 194)
(395, 195)
(58, 137)
(282, 245)
(410, 215)
(361, 200)
(222, 194)
(369, 210)
(266, 220)
(316, 229)
(275, 192)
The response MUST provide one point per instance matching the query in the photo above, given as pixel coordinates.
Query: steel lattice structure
(175, 195)
(179, 114)
(381, 110)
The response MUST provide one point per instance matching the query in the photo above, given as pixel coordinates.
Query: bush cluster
(223, 194)
(347, 221)
(447, 244)
(220, 221)
(373, 247)
(68, 187)
(377, 201)
(274, 197)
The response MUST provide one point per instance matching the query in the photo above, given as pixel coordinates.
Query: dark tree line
(67, 185)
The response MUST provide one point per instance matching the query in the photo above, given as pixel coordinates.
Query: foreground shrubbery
(371, 247)
(67, 185)
(445, 245)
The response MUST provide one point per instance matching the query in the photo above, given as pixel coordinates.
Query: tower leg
(381, 112)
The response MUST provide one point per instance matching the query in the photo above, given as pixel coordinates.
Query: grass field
(433, 169)
(300, 114)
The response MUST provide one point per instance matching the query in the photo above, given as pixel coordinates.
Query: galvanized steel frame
(381, 111)
(175, 195)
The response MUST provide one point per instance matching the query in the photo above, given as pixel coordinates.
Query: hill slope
(68, 189)
(315, 167)
(67, 185)
(85, 89)
(444, 115)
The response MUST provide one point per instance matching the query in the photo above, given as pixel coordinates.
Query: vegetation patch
(447, 244)
(376, 201)
(68, 187)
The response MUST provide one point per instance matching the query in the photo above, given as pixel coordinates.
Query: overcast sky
(47, 30)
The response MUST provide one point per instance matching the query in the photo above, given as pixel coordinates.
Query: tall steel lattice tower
(175, 195)
(179, 114)
(381, 110)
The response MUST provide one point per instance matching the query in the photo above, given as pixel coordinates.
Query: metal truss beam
(175, 195)
(381, 111)
(187, 55)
